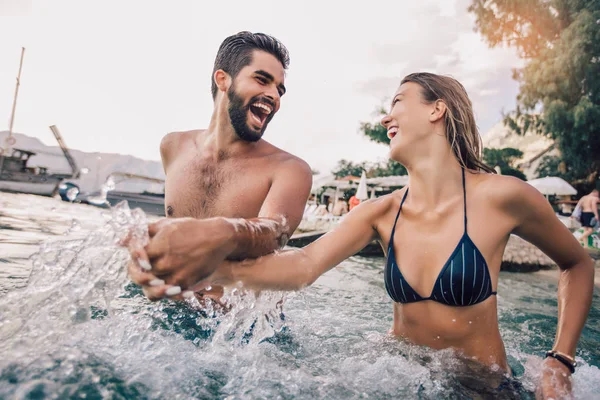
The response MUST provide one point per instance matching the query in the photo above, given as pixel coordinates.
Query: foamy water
(79, 328)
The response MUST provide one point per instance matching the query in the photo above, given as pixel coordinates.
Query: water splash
(78, 311)
(79, 329)
(108, 185)
(72, 194)
(67, 277)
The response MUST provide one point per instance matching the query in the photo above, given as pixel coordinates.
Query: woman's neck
(434, 179)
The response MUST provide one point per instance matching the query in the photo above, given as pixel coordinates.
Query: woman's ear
(438, 111)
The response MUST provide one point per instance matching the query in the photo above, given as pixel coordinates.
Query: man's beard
(238, 113)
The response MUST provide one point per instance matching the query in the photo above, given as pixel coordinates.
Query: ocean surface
(72, 326)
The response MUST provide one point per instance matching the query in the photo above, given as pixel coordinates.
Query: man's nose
(272, 93)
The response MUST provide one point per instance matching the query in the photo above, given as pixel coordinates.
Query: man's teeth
(263, 106)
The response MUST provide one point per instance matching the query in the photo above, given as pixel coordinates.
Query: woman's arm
(537, 223)
(294, 269)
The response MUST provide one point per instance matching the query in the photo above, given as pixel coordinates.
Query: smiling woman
(432, 246)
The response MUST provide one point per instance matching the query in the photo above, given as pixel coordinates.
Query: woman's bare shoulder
(380, 206)
(507, 192)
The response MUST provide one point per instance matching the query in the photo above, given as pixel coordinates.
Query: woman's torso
(424, 240)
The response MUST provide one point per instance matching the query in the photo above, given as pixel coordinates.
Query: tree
(554, 166)
(505, 159)
(375, 131)
(378, 134)
(372, 170)
(345, 168)
(390, 168)
(559, 94)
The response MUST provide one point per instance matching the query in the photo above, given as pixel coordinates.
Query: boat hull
(41, 188)
(154, 205)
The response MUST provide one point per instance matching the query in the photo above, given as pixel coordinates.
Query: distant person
(340, 208)
(589, 211)
(229, 194)
(353, 202)
(330, 205)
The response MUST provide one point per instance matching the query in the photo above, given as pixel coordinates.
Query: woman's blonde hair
(461, 130)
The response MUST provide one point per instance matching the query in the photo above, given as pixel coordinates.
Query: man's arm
(183, 251)
(279, 216)
(297, 268)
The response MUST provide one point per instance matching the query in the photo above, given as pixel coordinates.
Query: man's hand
(555, 382)
(181, 252)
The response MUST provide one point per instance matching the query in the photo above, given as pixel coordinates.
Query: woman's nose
(385, 121)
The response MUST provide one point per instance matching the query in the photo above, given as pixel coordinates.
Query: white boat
(16, 175)
(41, 188)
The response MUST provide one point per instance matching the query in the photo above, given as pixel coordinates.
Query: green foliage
(554, 166)
(391, 168)
(373, 170)
(505, 159)
(560, 41)
(345, 168)
(375, 131)
(378, 134)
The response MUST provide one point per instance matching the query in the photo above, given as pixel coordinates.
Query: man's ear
(222, 80)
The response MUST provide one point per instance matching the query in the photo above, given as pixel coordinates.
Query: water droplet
(470, 322)
(75, 226)
(72, 193)
(454, 320)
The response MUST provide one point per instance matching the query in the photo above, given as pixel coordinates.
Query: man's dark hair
(236, 52)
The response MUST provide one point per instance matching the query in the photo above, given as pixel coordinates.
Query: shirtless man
(589, 210)
(229, 194)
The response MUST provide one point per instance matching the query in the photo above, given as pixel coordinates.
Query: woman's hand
(555, 381)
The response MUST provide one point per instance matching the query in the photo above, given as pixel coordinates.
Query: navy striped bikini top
(463, 281)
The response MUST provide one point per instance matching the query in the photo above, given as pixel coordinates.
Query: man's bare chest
(206, 189)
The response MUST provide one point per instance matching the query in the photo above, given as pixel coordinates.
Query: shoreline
(553, 273)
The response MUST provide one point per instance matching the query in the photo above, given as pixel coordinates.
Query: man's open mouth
(260, 111)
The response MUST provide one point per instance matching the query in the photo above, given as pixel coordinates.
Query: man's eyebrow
(265, 74)
(271, 78)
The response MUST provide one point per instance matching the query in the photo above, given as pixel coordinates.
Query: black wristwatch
(563, 358)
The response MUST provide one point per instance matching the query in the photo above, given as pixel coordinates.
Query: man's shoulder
(283, 159)
(172, 142)
(175, 139)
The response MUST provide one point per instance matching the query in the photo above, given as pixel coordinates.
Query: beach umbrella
(361, 192)
(553, 185)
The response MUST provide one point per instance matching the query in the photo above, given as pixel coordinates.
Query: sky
(116, 76)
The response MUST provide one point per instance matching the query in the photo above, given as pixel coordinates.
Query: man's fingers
(140, 277)
(154, 227)
(156, 247)
(140, 256)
